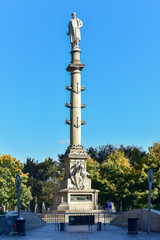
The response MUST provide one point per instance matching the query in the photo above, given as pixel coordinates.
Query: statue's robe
(74, 30)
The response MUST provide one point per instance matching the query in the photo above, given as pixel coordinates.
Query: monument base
(75, 200)
(75, 192)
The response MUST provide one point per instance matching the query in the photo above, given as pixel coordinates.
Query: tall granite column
(75, 67)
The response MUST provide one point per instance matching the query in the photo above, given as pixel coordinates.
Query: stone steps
(32, 220)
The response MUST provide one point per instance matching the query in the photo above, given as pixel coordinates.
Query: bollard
(99, 226)
(61, 226)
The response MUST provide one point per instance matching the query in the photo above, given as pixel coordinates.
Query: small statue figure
(84, 175)
(74, 31)
(76, 176)
(78, 179)
(79, 176)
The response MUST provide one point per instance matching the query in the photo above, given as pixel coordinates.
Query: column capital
(73, 66)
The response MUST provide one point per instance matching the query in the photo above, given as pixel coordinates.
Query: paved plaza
(110, 233)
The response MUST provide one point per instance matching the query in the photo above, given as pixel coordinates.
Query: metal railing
(104, 217)
(58, 218)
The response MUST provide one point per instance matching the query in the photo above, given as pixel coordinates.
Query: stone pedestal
(76, 200)
(76, 193)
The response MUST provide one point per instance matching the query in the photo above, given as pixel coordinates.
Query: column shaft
(75, 111)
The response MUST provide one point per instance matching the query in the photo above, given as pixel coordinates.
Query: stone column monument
(75, 192)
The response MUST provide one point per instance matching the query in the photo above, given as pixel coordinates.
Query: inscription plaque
(84, 198)
(81, 220)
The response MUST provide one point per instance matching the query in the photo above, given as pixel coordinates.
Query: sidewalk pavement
(111, 232)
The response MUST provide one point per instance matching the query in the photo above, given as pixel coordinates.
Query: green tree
(52, 184)
(44, 179)
(150, 161)
(117, 176)
(31, 167)
(9, 168)
(101, 153)
(133, 153)
(113, 178)
(93, 168)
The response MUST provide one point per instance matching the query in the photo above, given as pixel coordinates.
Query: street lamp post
(20, 222)
(18, 184)
(150, 181)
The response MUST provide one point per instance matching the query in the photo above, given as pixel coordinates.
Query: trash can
(132, 225)
(61, 226)
(99, 226)
(20, 226)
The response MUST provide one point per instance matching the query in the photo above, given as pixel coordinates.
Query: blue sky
(121, 49)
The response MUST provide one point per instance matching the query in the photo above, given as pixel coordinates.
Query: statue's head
(73, 15)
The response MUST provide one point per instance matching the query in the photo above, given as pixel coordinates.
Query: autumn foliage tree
(117, 176)
(122, 177)
(9, 168)
(150, 161)
(93, 168)
(113, 178)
